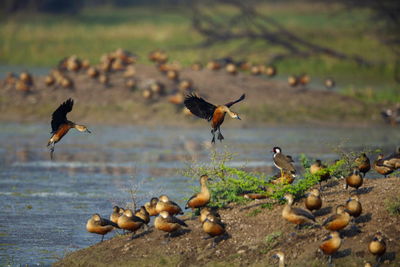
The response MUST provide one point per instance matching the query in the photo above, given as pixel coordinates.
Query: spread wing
(234, 102)
(60, 114)
(303, 213)
(199, 107)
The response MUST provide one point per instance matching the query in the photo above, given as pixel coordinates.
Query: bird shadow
(390, 256)
(362, 191)
(353, 230)
(323, 211)
(342, 253)
(364, 218)
(329, 184)
(136, 236)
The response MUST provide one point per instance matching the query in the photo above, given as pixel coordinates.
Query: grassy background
(42, 40)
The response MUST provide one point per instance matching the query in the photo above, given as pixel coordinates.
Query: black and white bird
(283, 162)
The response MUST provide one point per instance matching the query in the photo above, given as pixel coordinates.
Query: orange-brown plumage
(202, 198)
(331, 245)
(339, 220)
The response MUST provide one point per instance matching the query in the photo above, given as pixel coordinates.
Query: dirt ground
(267, 100)
(256, 232)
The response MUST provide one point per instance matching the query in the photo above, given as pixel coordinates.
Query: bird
(377, 246)
(231, 68)
(304, 79)
(213, 226)
(164, 204)
(391, 115)
(115, 214)
(270, 71)
(283, 162)
(143, 214)
(355, 179)
(313, 200)
(293, 80)
(60, 125)
(168, 223)
(98, 225)
(130, 222)
(331, 245)
(295, 215)
(317, 168)
(353, 205)
(216, 114)
(392, 161)
(339, 220)
(202, 198)
(206, 211)
(363, 164)
(281, 256)
(380, 167)
(151, 206)
(329, 83)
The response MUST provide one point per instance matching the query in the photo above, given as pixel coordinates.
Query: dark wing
(234, 102)
(60, 114)
(199, 107)
(176, 220)
(195, 195)
(105, 222)
(329, 237)
(283, 162)
(303, 213)
(330, 219)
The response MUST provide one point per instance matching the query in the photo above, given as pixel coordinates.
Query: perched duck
(185, 85)
(296, 215)
(283, 162)
(213, 226)
(339, 220)
(206, 211)
(293, 80)
(313, 200)
(362, 163)
(304, 79)
(281, 256)
(98, 225)
(377, 246)
(60, 125)
(329, 83)
(167, 223)
(392, 115)
(318, 168)
(331, 245)
(355, 179)
(202, 198)
(353, 206)
(115, 214)
(196, 66)
(130, 222)
(231, 68)
(270, 71)
(143, 214)
(49, 80)
(164, 204)
(216, 114)
(151, 206)
(392, 161)
(380, 167)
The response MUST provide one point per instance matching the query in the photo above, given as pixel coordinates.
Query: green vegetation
(271, 241)
(254, 212)
(393, 205)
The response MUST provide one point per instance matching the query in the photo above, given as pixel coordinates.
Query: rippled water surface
(44, 205)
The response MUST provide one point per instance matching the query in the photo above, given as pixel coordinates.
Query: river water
(44, 205)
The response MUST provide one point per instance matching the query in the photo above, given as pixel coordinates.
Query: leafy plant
(254, 212)
(393, 205)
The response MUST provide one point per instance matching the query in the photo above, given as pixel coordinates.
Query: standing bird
(331, 245)
(60, 125)
(339, 220)
(204, 212)
(313, 200)
(380, 167)
(200, 199)
(283, 162)
(281, 256)
(151, 206)
(130, 222)
(213, 226)
(363, 163)
(353, 205)
(98, 225)
(355, 179)
(295, 215)
(318, 168)
(115, 214)
(143, 214)
(377, 246)
(164, 204)
(216, 114)
(167, 223)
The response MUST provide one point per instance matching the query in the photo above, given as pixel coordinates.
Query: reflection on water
(45, 204)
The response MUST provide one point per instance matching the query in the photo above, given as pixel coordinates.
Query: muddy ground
(256, 231)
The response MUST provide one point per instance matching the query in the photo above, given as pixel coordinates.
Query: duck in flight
(216, 114)
(60, 125)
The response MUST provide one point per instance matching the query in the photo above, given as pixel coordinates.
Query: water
(44, 205)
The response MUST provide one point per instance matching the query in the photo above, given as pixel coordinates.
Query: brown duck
(362, 163)
(151, 206)
(98, 225)
(130, 222)
(377, 246)
(331, 245)
(164, 204)
(353, 206)
(355, 179)
(167, 223)
(296, 215)
(202, 198)
(380, 167)
(313, 200)
(339, 220)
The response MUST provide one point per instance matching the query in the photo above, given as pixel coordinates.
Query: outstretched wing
(234, 102)
(199, 107)
(60, 114)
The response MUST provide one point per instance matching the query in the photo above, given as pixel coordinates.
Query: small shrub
(393, 205)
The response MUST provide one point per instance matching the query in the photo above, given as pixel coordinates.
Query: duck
(206, 211)
(197, 66)
(185, 85)
(101, 226)
(313, 200)
(157, 87)
(270, 71)
(331, 245)
(282, 162)
(143, 214)
(213, 226)
(353, 205)
(317, 168)
(168, 223)
(231, 68)
(377, 246)
(304, 79)
(355, 179)
(115, 214)
(255, 70)
(380, 167)
(130, 222)
(363, 164)
(281, 256)
(26, 77)
(392, 115)
(130, 83)
(164, 204)
(151, 206)
(329, 83)
(296, 215)
(202, 198)
(216, 114)
(173, 75)
(60, 125)
(339, 220)
(92, 72)
(293, 81)
(49, 80)
(392, 161)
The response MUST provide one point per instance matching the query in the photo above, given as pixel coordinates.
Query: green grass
(393, 205)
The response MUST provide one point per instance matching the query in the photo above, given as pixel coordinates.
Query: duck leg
(102, 238)
(52, 145)
(220, 136)
(213, 133)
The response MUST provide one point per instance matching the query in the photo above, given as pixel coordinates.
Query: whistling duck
(355, 179)
(130, 222)
(377, 246)
(283, 162)
(216, 114)
(185, 85)
(10, 78)
(164, 204)
(196, 66)
(392, 115)
(331, 245)
(367, 264)
(206, 211)
(98, 225)
(392, 161)
(143, 214)
(231, 68)
(270, 71)
(176, 98)
(66, 82)
(168, 223)
(151, 206)
(60, 125)
(22, 86)
(213, 226)
(85, 64)
(313, 200)
(115, 214)
(157, 88)
(281, 256)
(304, 79)
(255, 70)
(353, 206)
(73, 63)
(92, 72)
(317, 168)
(126, 56)
(118, 65)
(49, 80)
(159, 56)
(363, 164)
(26, 77)
(244, 65)
(293, 80)
(339, 220)
(200, 199)
(295, 215)
(147, 93)
(130, 72)
(256, 195)
(380, 167)
(130, 83)
(173, 75)
(329, 83)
